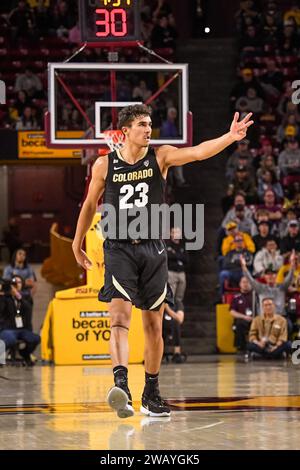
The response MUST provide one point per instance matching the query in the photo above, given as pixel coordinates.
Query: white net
(114, 139)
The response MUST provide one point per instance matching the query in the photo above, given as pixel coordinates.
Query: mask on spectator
(239, 207)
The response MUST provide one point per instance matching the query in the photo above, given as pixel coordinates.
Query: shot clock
(109, 21)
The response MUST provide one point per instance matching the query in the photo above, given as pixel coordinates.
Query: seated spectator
(251, 41)
(143, 93)
(263, 235)
(274, 210)
(267, 164)
(21, 102)
(289, 128)
(293, 12)
(22, 21)
(243, 182)
(15, 322)
(250, 103)
(295, 283)
(241, 309)
(289, 158)
(172, 321)
(20, 267)
(169, 127)
(267, 258)
(161, 36)
(246, 81)
(30, 83)
(27, 121)
(291, 241)
(241, 214)
(270, 288)
(240, 157)
(231, 263)
(267, 181)
(268, 337)
(283, 227)
(269, 29)
(272, 79)
(229, 243)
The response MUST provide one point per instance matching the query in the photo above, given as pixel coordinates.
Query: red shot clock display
(109, 21)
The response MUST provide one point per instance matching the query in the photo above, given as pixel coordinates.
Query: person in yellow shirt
(293, 12)
(228, 243)
(283, 271)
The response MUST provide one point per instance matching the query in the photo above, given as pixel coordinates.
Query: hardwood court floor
(217, 403)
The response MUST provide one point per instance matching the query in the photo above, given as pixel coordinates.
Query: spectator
(231, 263)
(142, 92)
(161, 35)
(274, 211)
(293, 12)
(250, 103)
(243, 182)
(240, 157)
(241, 214)
(169, 128)
(246, 81)
(228, 242)
(283, 227)
(22, 21)
(268, 257)
(15, 322)
(262, 236)
(276, 291)
(289, 128)
(292, 240)
(177, 263)
(289, 159)
(27, 121)
(268, 337)
(172, 321)
(30, 83)
(21, 102)
(20, 267)
(241, 309)
(267, 163)
(272, 79)
(267, 181)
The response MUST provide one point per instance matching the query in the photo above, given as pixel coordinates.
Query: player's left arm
(172, 156)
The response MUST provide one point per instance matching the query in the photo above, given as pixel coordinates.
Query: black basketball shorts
(137, 273)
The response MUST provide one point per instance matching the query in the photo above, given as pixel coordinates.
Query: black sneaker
(153, 405)
(119, 399)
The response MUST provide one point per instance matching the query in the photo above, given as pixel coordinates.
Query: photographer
(15, 319)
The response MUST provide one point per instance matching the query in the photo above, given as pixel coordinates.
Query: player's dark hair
(130, 113)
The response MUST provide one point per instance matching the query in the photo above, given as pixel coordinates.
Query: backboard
(85, 98)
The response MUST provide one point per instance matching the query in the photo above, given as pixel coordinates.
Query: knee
(154, 330)
(119, 319)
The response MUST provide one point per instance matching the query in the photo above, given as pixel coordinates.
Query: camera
(6, 285)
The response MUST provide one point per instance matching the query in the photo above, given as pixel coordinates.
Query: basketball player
(136, 269)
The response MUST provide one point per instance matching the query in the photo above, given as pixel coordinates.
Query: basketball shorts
(137, 273)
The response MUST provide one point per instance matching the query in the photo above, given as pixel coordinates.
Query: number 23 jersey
(134, 192)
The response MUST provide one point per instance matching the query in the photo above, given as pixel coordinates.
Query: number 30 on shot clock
(103, 21)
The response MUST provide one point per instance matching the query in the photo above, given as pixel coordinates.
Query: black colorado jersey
(132, 192)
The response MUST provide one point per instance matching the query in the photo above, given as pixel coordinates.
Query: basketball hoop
(114, 139)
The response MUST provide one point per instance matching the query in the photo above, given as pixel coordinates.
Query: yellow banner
(32, 144)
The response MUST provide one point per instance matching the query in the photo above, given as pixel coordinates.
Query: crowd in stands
(261, 204)
(35, 32)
